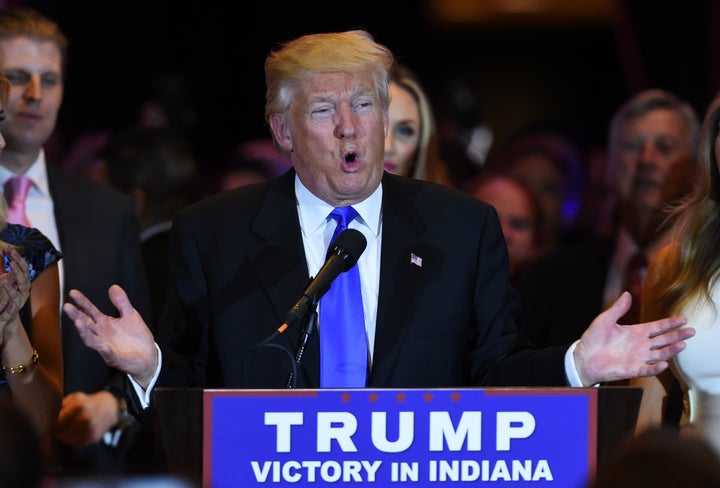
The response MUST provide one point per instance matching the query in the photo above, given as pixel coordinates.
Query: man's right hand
(125, 343)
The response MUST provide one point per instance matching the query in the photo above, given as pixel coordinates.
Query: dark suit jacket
(562, 293)
(155, 258)
(238, 266)
(98, 234)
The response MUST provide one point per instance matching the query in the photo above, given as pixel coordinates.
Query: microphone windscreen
(350, 244)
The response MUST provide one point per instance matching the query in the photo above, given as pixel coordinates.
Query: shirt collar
(37, 173)
(625, 247)
(313, 212)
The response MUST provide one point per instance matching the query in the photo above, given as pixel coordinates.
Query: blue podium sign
(436, 437)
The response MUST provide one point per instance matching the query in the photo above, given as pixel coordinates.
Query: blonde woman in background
(30, 350)
(411, 145)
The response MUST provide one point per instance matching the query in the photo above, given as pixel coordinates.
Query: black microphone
(341, 256)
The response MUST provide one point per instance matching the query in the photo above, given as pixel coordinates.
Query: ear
(281, 132)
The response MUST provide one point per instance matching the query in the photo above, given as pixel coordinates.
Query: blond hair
(352, 51)
(27, 22)
(697, 265)
(4, 93)
(427, 164)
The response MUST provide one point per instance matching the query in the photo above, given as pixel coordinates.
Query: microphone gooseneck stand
(309, 327)
(342, 255)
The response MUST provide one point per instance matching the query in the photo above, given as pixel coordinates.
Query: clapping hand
(14, 290)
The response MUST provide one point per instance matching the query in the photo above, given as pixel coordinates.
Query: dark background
(513, 69)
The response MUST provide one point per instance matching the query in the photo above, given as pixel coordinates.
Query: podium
(180, 416)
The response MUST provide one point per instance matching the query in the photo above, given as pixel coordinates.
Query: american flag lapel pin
(416, 260)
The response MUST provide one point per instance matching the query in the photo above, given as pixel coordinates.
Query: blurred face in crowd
(654, 151)
(401, 142)
(515, 208)
(36, 89)
(334, 130)
(546, 180)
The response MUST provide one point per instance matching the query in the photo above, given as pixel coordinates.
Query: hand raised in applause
(14, 292)
(125, 343)
(608, 351)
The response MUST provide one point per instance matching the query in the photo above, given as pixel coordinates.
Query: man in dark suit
(651, 165)
(438, 310)
(652, 141)
(94, 227)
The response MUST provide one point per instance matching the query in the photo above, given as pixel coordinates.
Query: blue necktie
(343, 341)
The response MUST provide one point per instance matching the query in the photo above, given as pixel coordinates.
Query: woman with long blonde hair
(683, 279)
(411, 144)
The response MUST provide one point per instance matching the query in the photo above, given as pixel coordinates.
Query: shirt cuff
(144, 396)
(573, 377)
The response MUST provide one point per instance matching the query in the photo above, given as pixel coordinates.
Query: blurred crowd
(582, 221)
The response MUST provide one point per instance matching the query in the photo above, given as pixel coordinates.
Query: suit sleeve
(182, 334)
(501, 355)
(133, 279)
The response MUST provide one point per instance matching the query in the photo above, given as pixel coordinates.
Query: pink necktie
(16, 190)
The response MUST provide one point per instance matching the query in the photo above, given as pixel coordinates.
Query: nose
(648, 153)
(345, 126)
(33, 88)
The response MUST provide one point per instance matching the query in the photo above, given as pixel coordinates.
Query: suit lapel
(401, 277)
(61, 196)
(280, 262)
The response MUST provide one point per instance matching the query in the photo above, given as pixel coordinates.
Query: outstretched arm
(35, 380)
(125, 343)
(608, 351)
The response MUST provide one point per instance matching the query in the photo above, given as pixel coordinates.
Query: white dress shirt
(39, 206)
(317, 230)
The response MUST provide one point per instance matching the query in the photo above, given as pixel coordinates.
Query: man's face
(650, 148)
(334, 132)
(36, 88)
